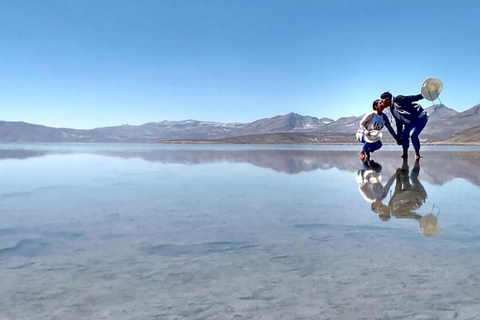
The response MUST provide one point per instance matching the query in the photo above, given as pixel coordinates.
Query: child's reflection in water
(408, 196)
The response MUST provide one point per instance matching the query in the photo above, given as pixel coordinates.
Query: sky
(94, 63)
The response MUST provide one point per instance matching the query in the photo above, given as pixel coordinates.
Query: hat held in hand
(431, 88)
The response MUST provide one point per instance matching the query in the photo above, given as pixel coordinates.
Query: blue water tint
(237, 232)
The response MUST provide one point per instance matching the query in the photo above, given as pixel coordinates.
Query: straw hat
(431, 88)
(429, 225)
(375, 135)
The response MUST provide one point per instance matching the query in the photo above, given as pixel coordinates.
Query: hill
(444, 124)
(468, 136)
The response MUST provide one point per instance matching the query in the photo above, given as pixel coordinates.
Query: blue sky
(95, 63)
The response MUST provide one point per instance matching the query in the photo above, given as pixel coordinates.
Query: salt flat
(226, 232)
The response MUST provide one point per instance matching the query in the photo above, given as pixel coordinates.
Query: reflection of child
(372, 122)
(370, 182)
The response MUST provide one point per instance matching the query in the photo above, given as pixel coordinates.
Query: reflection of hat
(429, 225)
(431, 88)
(368, 176)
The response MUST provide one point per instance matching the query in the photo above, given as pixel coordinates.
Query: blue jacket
(404, 110)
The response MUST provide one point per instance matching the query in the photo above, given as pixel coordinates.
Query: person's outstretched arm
(387, 186)
(413, 98)
(390, 129)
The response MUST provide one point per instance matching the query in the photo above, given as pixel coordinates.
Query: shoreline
(199, 142)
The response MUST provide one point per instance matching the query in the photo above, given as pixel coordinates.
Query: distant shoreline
(201, 142)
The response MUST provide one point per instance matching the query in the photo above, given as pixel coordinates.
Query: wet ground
(227, 232)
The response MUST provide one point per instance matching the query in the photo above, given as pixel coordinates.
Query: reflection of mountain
(438, 167)
(288, 161)
(19, 154)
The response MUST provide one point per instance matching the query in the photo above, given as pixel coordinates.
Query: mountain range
(444, 125)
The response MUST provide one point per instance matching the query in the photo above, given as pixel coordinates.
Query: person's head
(382, 210)
(386, 95)
(385, 99)
(375, 104)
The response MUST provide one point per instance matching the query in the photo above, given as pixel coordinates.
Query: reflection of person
(371, 122)
(369, 181)
(409, 195)
(378, 206)
(409, 117)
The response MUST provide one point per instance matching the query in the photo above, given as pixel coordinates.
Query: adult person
(373, 121)
(410, 118)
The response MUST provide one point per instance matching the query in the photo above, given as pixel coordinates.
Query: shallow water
(237, 232)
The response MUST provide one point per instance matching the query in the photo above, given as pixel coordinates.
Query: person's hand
(399, 141)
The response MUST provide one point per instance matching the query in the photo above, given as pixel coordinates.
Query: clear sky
(95, 63)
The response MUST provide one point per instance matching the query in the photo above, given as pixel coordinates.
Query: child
(369, 132)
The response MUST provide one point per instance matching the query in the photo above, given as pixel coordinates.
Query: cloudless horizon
(86, 64)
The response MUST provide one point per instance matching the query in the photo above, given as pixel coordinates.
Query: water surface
(237, 232)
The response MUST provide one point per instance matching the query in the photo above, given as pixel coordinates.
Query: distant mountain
(26, 132)
(440, 112)
(444, 123)
(345, 125)
(153, 131)
(149, 132)
(287, 123)
(326, 120)
(164, 130)
(471, 135)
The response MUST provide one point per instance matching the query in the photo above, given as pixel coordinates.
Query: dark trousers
(371, 147)
(412, 130)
